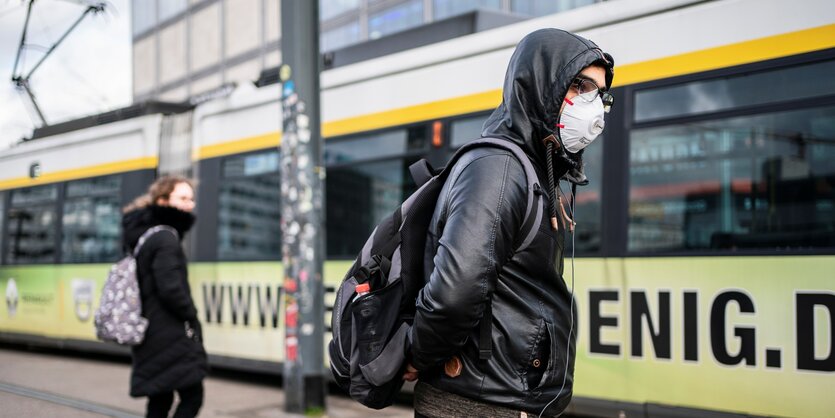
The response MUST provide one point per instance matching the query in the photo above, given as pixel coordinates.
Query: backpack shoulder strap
(151, 231)
(534, 208)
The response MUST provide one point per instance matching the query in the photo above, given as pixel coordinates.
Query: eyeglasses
(588, 90)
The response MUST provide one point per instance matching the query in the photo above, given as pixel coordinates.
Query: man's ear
(610, 69)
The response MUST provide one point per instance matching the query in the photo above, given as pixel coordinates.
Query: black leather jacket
(470, 250)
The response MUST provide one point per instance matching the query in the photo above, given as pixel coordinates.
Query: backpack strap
(530, 224)
(534, 208)
(421, 172)
(151, 231)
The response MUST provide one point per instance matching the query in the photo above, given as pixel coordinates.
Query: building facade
(184, 48)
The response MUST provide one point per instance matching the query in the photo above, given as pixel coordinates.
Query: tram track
(78, 404)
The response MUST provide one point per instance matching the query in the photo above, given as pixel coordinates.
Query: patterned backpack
(119, 315)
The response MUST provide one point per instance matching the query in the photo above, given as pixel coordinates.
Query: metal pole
(28, 90)
(22, 38)
(302, 208)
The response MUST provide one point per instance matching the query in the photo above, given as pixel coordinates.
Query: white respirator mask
(581, 120)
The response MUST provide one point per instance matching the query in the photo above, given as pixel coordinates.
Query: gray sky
(89, 73)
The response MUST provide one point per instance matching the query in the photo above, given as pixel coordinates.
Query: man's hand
(411, 373)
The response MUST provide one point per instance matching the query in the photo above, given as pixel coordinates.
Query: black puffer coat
(167, 359)
(470, 251)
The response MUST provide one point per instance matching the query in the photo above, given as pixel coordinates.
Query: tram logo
(82, 297)
(11, 297)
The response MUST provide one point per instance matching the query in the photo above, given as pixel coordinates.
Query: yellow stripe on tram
(83, 172)
(746, 52)
(253, 143)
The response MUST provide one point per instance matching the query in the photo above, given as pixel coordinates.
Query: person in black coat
(171, 357)
(555, 97)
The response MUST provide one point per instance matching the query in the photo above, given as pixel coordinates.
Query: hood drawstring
(556, 196)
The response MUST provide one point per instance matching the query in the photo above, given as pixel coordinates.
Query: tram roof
(135, 110)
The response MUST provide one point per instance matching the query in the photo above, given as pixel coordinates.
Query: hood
(136, 222)
(537, 79)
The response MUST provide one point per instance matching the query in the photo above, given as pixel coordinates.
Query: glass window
(587, 213)
(360, 196)
(91, 221)
(447, 8)
(40, 194)
(385, 144)
(251, 165)
(395, 19)
(466, 130)
(339, 37)
(249, 215)
(108, 185)
(331, 8)
(30, 229)
(144, 15)
(170, 8)
(546, 7)
(764, 181)
(368, 177)
(2, 221)
(800, 82)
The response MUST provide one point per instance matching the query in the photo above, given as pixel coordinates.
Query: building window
(144, 15)
(546, 7)
(368, 178)
(91, 221)
(249, 213)
(765, 181)
(395, 19)
(331, 8)
(170, 8)
(336, 38)
(447, 8)
(31, 225)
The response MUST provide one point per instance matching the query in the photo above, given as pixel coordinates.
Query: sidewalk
(54, 384)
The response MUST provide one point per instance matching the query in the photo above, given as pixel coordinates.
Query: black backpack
(370, 331)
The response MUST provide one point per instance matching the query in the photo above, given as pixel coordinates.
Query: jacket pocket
(539, 357)
(551, 352)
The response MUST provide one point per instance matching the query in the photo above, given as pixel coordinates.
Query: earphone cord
(571, 310)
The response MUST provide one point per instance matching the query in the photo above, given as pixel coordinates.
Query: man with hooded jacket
(552, 107)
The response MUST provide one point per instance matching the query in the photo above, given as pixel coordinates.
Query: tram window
(799, 82)
(375, 146)
(91, 221)
(587, 212)
(361, 195)
(34, 195)
(2, 218)
(395, 19)
(249, 215)
(765, 181)
(466, 130)
(30, 228)
(96, 186)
